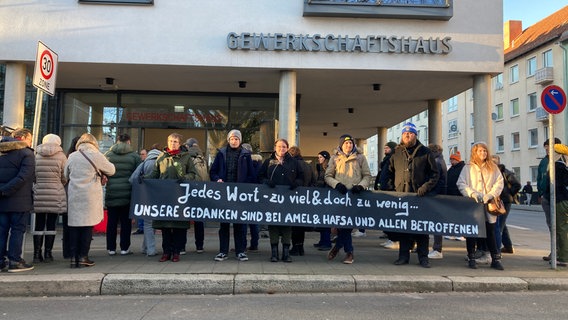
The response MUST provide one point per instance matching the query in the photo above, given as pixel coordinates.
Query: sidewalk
(373, 270)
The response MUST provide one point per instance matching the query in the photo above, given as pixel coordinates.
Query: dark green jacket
(125, 161)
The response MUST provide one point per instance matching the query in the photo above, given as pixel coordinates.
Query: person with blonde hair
(482, 181)
(84, 170)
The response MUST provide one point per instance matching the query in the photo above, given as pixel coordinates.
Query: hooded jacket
(17, 170)
(49, 188)
(350, 170)
(125, 161)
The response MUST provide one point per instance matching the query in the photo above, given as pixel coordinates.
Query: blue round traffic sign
(553, 99)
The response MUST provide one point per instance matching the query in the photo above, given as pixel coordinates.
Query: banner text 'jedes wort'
(310, 207)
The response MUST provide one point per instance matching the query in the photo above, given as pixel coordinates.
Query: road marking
(517, 227)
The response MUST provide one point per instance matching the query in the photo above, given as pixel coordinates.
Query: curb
(93, 284)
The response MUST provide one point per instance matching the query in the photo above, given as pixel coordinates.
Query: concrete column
(15, 95)
(482, 107)
(287, 107)
(381, 141)
(435, 121)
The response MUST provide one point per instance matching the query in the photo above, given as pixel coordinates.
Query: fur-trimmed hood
(8, 144)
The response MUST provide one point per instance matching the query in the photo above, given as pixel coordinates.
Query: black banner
(311, 207)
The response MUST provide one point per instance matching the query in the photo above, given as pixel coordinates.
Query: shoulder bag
(495, 206)
(104, 178)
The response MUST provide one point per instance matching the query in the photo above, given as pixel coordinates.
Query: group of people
(49, 183)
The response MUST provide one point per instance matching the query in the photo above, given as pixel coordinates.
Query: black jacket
(288, 173)
(410, 169)
(17, 171)
(453, 175)
(511, 185)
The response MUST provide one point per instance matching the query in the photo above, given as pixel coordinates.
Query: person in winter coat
(281, 169)
(441, 188)
(324, 243)
(348, 170)
(254, 228)
(511, 186)
(50, 197)
(85, 196)
(117, 195)
(173, 163)
(299, 233)
(17, 170)
(561, 200)
(149, 242)
(412, 168)
(232, 163)
(203, 175)
(482, 181)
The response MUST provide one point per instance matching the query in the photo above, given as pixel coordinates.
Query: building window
(545, 128)
(534, 172)
(515, 141)
(531, 102)
(453, 104)
(517, 172)
(453, 129)
(514, 74)
(500, 144)
(498, 82)
(499, 111)
(533, 138)
(514, 107)
(452, 149)
(471, 121)
(531, 67)
(547, 58)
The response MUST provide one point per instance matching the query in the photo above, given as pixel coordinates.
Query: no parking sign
(553, 99)
(45, 71)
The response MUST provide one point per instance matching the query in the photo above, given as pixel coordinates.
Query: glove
(270, 183)
(478, 197)
(487, 198)
(357, 188)
(421, 191)
(341, 188)
(293, 185)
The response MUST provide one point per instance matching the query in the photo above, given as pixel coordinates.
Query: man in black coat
(412, 169)
(17, 171)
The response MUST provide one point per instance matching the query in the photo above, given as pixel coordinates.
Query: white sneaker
(111, 253)
(125, 252)
(449, 237)
(485, 259)
(434, 254)
(390, 244)
(460, 239)
(359, 234)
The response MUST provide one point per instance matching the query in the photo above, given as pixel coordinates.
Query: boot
(38, 242)
(49, 240)
(74, 263)
(297, 250)
(496, 262)
(286, 253)
(471, 262)
(274, 256)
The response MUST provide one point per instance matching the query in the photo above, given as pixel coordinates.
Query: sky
(530, 11)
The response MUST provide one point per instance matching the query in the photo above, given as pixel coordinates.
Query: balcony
(544, 76)
(541, 114)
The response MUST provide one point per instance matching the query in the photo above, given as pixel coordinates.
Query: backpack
(201, 168)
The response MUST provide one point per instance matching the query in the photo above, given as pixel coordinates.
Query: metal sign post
(553, 100)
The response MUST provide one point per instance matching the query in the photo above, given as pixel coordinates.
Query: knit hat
(324, 154)
(191, 142)
(235, 133)
(456, 156)
(391, 145)
(345, 137)
(51, 138)
(409, 127)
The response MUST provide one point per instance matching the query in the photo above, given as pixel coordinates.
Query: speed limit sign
(45, 71)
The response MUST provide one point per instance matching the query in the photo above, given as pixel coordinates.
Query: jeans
(199, 233)
(173, 240)
(344, 240)
(489, 241)
(149, 242)
(438, 242)
(502, 238)
(407, 241)
(238, 235)
(116, 215)
(14, 225)
(254, 235)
